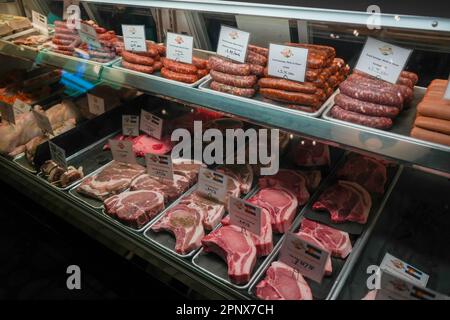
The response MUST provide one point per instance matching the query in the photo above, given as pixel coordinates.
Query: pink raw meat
(307, 237)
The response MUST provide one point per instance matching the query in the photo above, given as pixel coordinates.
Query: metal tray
(157, 75)
(90, 158)
(263, 102)
(402, 124)
(329, 288)
(27, 33)
(22, 161)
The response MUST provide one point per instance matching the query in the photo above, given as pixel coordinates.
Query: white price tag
(179, 47)
(304, 257)
(130, 125)
(233, 44)
(404, 270)
(58, 155)
(7, 112)
(122, 151)
(89, 35)
(43, 122)
(287, 62)
(394, 288)
(20, 107)
(40, 22)
(96, 104)
(212, 184)
(382, 60)
(447, 91)
(245, 215)
(151, 124)
(67, 12)
(159, 166)
(134, 38)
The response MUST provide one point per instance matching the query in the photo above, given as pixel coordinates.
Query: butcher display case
(81, 83)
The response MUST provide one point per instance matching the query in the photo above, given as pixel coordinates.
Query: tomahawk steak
(283, 283)
(236, 248)
(185, 224)
(335, 241)
(264, 241)
(135, 208)
(367, 172)
(113, 179)
(281, 205)
(345, 201)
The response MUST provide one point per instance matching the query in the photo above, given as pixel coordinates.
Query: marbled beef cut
(170, 189)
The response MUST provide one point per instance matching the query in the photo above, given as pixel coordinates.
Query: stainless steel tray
(157, 75)
(22, 161)
(329, 288)
(402, 124)
(261, 101)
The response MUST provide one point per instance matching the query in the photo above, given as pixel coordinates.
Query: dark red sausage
(287, 85)
(137, 67)
(137, 59)
(200, 63)
(358, 118)
(290, 97)
(232, 80)
(256, 70)
(225, 66)
(255, 58)
(181, 77)
(242, 92)
(367, 108)
(179, 67)
(366, 93)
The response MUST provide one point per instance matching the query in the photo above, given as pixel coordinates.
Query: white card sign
(7, 112)
(43, 122)
(212, 184)
(404, 270)
(233, 44)
(151, 124)
(130, 125)
(96, 104)
(394, 288)
(122, 151)
(382, 60)
(58, 154)
(20, 107)
(306, 258)
(447, 91)
(89, 35)
(179, 47)
(287, 62)
(245, 215)
(40, 22)
(67, 6)
(134, 38)
(159, 166)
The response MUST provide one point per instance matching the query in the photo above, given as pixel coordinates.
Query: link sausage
(290, 97)
(137, 59)
(255, 58)
(288, 85)
(431, 136)
(157, 66)
(177, 76)
(365, 93)
(202, 73)
(225, 66)
(179, 67)
(232, 80)
(242, 92)
(256, 70)
(259, 50)
(137, 67)
(354, 117)
(367, 108)
(200, 63)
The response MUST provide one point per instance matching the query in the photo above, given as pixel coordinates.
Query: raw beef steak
(236, 248)
(211, 211)
(290, 180)
(241, 173)
(264, 241)
(113, 179)
(309, 153)
(188, 168)
(367, 172)
(310, 239)
(281, 205)
(135, 208)
(345, 201)
(170, 189)
(283, 283)
(185, 224)
(335, 241)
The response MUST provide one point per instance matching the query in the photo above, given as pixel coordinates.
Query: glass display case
(81, 82)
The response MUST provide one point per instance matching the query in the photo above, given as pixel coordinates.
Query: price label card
(122, 151)
(43, 122)
(66, 8)
(233, 44)
(130, 125)
(306, 258)
(404, 270)
(58, 154)
(96, 104)
(179, 47)
(447, 92)
(287, 62)
(7, 112)
(40, 22)
(382, 60)
(212, 184)
(394, 288)
(89, 35)
(20, 107)
(151, 124)
(245, 215)
(159, 166)
(134, 37)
